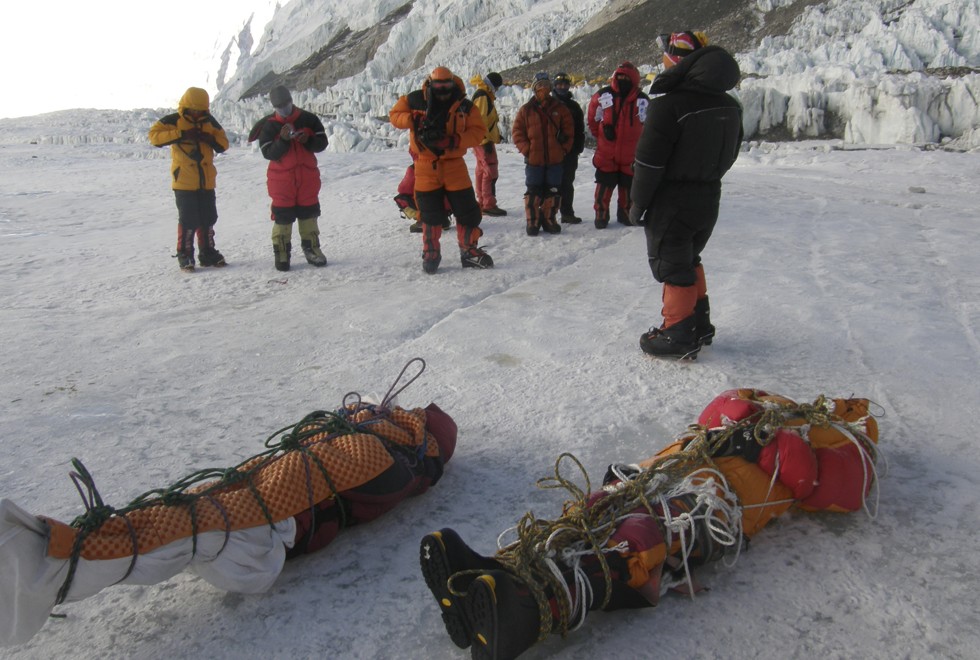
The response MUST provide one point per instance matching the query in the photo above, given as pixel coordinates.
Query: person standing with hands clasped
(692, 137)
(563, 92)
(443, 124)
(194, 137)
(289, 138)
(543, 133)
(616, 115)
(486, 152)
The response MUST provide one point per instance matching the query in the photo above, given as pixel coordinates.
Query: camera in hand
(432, 132)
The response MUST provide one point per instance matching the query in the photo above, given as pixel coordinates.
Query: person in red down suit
(289, 138)
(615, 117)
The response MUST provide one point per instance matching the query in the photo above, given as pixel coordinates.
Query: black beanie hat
(495, 79)
(279, 96)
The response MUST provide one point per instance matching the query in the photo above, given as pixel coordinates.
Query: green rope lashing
(316, 427)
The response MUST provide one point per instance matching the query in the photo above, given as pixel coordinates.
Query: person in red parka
(289, 138)
(543, 132)
(616, 115)
(444, 124)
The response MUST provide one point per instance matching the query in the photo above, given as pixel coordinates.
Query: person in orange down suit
(444, 124)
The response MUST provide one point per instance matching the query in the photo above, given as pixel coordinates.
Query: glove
(191, 134)
(609, 131)
(302, 136)
(287, 132)
(488, 148)
(636, 216)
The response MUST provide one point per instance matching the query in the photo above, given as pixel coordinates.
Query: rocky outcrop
(347, 54)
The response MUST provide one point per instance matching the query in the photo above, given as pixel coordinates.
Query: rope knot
(93, 518)
(233, 476)
(289, 442)
(176, 497)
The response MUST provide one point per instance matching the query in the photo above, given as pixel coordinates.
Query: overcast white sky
(112, 53)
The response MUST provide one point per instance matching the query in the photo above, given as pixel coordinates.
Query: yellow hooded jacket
(483, 98)
(193, 141)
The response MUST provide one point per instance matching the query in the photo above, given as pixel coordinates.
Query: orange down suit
(465, 124)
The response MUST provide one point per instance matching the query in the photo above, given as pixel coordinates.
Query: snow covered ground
(831, 271)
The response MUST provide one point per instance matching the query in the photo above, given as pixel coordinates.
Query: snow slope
(840, 272)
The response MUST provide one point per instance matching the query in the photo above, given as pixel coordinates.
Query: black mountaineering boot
(186, 261)
(475, 257)
(678, 341)
(443, 554)
(702, 319)
(211, 257)
(503, 616)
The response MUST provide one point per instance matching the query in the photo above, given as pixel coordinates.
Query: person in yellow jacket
(443, 124)
(486, 153)
(194, 137)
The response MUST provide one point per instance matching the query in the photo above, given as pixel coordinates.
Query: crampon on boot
(442, 555)
(475, 257)
(677, 341)
(470, 254)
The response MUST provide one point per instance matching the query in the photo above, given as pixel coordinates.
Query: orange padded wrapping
(752, 486)
(644, 565)
(286, 483)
